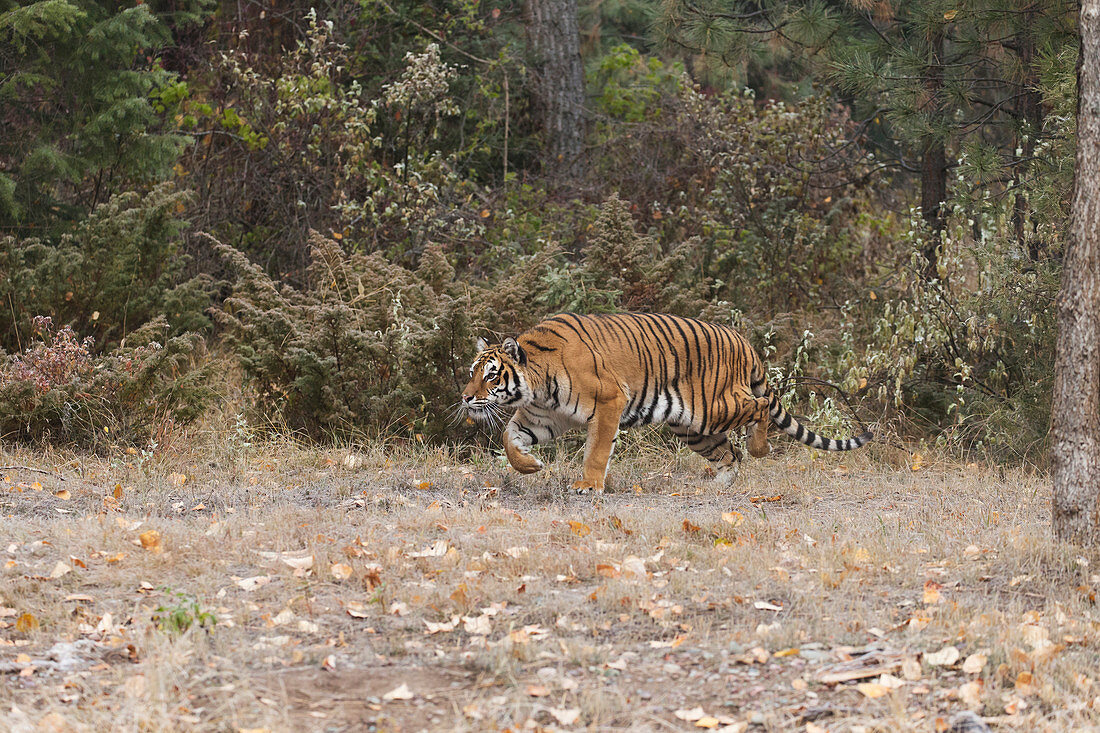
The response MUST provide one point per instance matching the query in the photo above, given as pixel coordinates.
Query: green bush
(59, 390)
(114, 272)
(368, 346)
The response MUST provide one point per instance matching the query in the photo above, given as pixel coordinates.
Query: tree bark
(1075, 419)
(1030, 109)
(553, 38)
(933, 176)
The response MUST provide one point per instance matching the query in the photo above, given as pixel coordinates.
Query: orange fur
(609, 371)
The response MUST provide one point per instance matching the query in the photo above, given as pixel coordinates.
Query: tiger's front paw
(525, 463)
(583, 487)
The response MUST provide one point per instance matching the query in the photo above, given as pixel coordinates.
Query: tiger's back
(674, 370)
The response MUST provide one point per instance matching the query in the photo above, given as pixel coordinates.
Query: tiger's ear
(513, 349)
(481, 344)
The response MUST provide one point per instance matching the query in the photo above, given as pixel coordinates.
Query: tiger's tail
(786, 422)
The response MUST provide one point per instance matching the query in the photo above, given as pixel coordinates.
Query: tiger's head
(498, 380)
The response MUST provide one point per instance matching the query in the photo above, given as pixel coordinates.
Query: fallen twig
(57, 476)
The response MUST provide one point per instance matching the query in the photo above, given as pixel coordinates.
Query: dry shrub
(368, 346)
(59, 390)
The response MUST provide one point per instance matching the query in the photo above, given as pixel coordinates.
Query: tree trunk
(933, 175)
(553, 38)
(1030, 109)
(1075, 419)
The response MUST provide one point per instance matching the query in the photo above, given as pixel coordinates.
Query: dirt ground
(281, 588)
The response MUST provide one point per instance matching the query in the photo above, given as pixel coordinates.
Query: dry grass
(619, 611)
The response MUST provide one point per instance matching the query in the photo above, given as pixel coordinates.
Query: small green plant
(180, 613)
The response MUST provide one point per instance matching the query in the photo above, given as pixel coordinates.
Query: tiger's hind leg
(758, 429)
(717, 449)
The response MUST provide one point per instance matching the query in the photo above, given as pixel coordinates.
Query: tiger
(610, 371)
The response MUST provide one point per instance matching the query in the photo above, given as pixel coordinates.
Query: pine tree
(80, 89)
(933, 80)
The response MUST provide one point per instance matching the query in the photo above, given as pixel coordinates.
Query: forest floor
(283, 588)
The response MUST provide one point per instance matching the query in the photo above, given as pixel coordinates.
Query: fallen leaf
(1025, 683)
(60, 569)
(971, 694)
(633, 567)
(150, 540)
(568, 716)
(436, 549)
(733, 518)
(64, 494)
(910, 669)
(690, 715)
(537, 690)
(283, 617)
(974, 663)
(931, 592)
(607, 570)
(251, 584)
(765, 606)
(26, 622)
(401, 692)
(579, 528)
(340, 571)
(872, 689)
(943, 658)
(355, 609)
(707, 722)
(177, 479)
(439, 628)
(477, 625)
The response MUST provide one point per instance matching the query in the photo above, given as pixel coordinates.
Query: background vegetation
(337, 199)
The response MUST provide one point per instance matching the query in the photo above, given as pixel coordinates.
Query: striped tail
(785, 422)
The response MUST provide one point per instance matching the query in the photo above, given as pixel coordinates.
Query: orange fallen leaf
(356, 609)
(537, 690)
(341, 571)
(872, 689)
(150, 540)
(26, 622)
(733, 518)
(579, 528)
(64, 494)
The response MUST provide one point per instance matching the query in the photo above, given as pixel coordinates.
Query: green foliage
(58, 389)
(369, 346)
(621, 270)
(310, 142)
(180, 613)
(114, 272)
(76, 89)
(631, 85)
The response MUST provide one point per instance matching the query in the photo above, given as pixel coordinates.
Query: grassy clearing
(411, 590)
